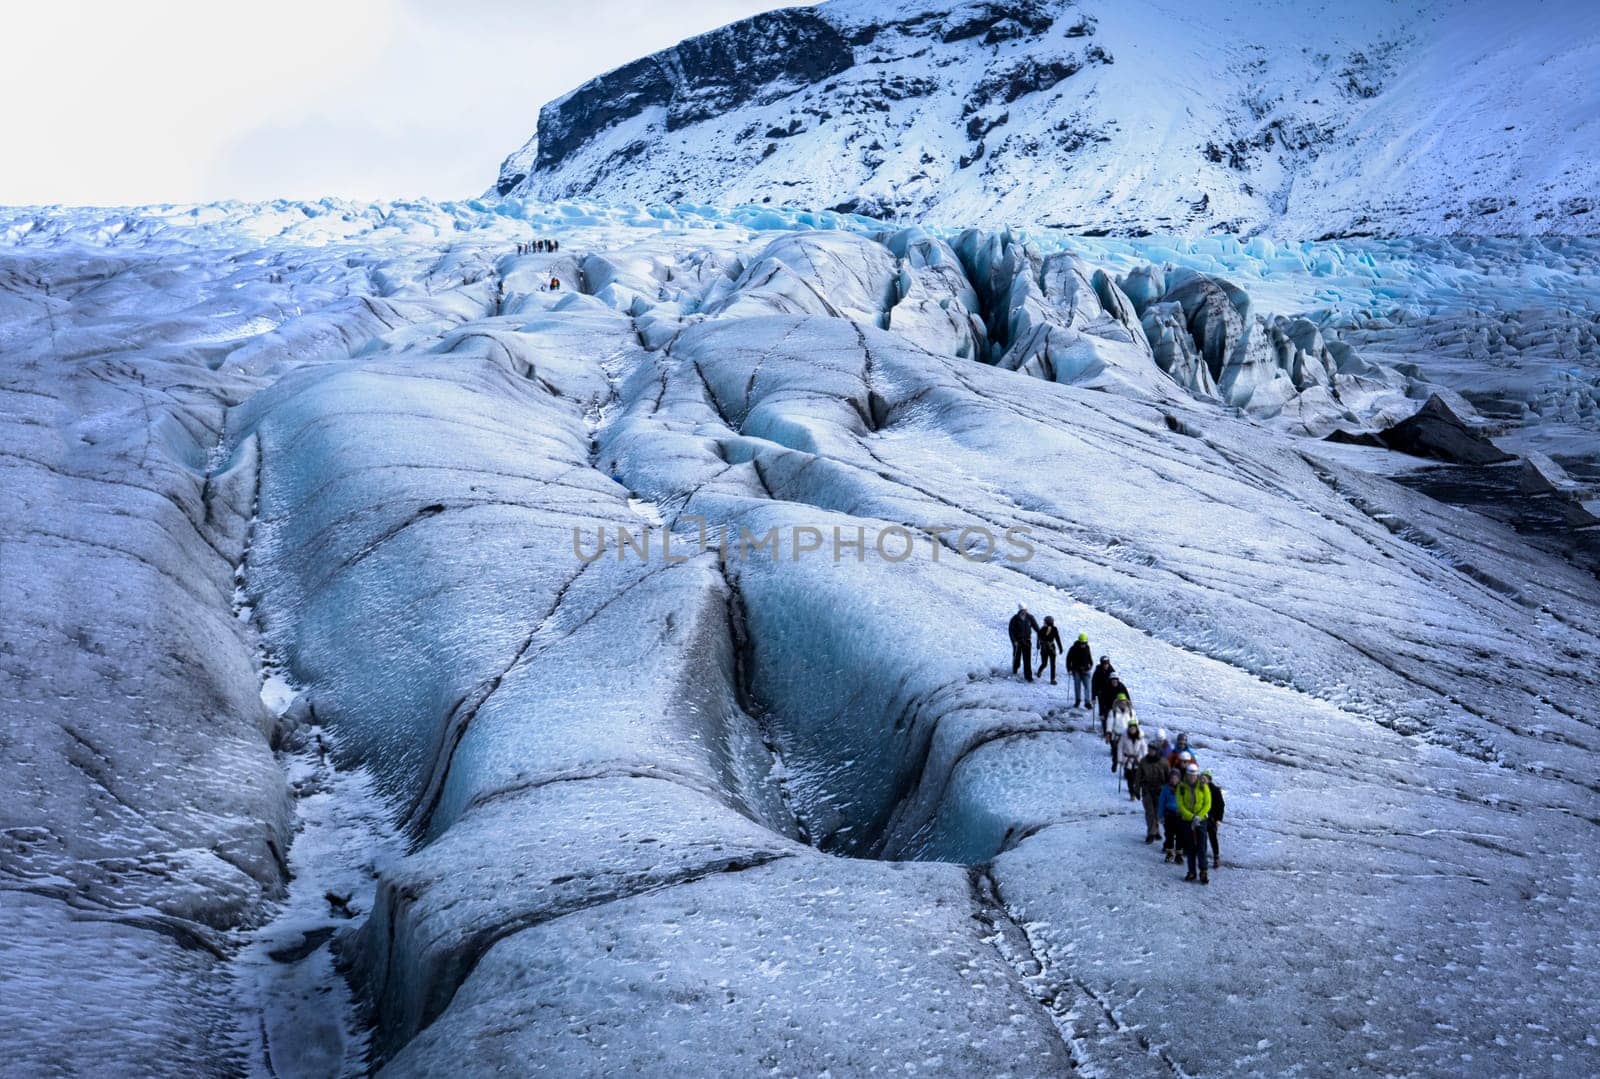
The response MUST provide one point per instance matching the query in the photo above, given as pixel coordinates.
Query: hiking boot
(1203, 879)
(1189, 878)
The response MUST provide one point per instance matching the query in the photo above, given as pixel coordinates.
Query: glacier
(331, 752)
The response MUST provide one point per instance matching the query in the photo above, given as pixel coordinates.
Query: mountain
(1165, 116)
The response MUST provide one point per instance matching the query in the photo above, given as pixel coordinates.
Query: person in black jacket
(1080, 658)
(1215, 818)
(1049, 647)
(1100, 683)
(1022, 629)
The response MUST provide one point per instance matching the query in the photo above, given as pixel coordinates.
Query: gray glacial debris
(1541, 475)
(1449, 431)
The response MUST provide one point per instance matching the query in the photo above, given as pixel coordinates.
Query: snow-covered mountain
(1169, 116)
(331, 748)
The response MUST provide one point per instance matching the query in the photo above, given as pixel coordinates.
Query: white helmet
(1161, 735)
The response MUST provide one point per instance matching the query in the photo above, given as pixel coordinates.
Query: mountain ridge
(1404, 119)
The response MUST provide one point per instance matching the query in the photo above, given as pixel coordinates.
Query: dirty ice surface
(303, 675)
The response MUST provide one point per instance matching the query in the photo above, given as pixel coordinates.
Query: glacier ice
(738, 812)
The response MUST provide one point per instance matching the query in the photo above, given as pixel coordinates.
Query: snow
(737, 812)
(1163, 116)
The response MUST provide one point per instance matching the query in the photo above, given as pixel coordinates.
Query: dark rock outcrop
(698, 78)
(1440, 431)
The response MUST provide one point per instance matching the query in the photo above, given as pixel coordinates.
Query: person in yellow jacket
(1194, 808)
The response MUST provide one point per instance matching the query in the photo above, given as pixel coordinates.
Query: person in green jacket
(1194, 808)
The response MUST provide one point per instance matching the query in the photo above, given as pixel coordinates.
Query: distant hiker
(1100, 682)
(1131, 749)
(1049, 647)
(1152, 779)
(1214, 818)
(555, 284)
(1120, 720)
(555, 245)
(1168, 808)
(1022, 629)
(1079, 660)
(1194, 807)
(1114, 687)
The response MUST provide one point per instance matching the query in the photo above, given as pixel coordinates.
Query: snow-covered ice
(329, 739)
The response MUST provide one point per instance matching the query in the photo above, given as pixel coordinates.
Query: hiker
(1079, 660)
(555, 245)
(1168, 809)
(1100, 682)
(1114, 686)
(1130, 749)
(1214, 818)
(1181, 756)
(1120, 720)
(1022, 629)
(1049, 647)
(555, 284)
(1152, 777)
(1194, 806)
(1162, 744)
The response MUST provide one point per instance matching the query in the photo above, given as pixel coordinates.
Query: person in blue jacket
(1167, 807)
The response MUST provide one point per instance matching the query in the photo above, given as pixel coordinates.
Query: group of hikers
(1183, 803)
(542, 247)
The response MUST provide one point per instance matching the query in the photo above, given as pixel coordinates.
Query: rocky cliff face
(756, 61)
(1155, 116)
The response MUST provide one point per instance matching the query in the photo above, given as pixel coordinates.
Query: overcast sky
(121, 102)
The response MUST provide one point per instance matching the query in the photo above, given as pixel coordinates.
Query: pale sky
(118, 102)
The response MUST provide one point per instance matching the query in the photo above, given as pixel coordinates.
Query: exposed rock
(760, 57)
(1444, 432)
